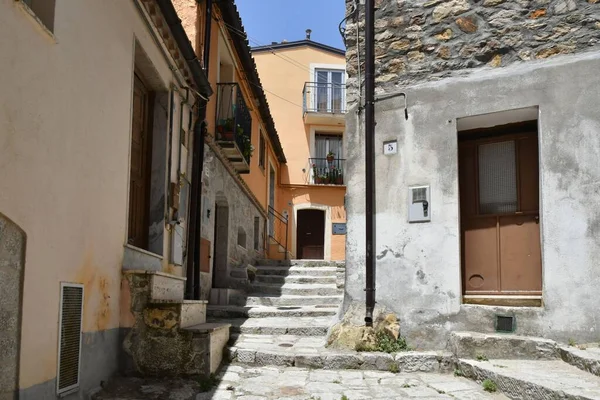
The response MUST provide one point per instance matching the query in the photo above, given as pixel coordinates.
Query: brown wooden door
(310, 235)
(499, 198)
(139, 184)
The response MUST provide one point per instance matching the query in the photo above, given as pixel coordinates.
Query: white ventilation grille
(69, 344)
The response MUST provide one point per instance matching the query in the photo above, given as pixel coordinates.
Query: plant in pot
(226, 129)
(339, 177)
(248, 149)
(330, 156)
(322, 179)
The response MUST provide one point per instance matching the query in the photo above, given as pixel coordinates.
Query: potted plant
(322, 179)
(248, 149)
(330, 156)
(339, 178)
(226, 129)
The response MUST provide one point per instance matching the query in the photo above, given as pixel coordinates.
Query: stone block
(472, 345)
(417, 362)
(193, 312)
(167, 288)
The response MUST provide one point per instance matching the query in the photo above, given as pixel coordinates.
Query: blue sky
(269, 21)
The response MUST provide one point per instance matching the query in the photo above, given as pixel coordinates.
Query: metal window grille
(69, 344)
(419, 195)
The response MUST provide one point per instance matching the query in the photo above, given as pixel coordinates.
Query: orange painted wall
(283, 83)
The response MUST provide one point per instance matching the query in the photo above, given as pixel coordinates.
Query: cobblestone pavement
(270, 383)
(281, 383)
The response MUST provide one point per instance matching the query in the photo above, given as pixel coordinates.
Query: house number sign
(390, 147)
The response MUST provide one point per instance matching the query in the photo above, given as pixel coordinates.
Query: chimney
(284, 41)
(308, 32)
(274, 43)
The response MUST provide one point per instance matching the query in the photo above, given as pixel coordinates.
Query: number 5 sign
(390, 147)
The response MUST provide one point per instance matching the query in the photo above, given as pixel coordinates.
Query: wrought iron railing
(327, 171)
(324, 97)
(234, 122)
(278, 229)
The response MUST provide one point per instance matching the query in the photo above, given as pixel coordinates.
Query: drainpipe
(370, 159)
(195, 230)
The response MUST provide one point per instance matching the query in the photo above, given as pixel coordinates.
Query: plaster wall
(418, 265)
(64, 166)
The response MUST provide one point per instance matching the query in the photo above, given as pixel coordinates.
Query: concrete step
(217, 335)
(308, 289)
(302, 263)
(586, 358)
(301, 326)
(266, 311)
(474, 345)
(301, 351)
(290, 271)
(534, 379)
(279, 279)
(292, 300)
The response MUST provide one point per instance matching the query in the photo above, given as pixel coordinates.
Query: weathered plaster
(418, 265)
(12, 263)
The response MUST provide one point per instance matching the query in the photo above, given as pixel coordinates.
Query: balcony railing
(324, 98)
(234, 125)
(327, 171)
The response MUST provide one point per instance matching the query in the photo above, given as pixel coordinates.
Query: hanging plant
(330, 156)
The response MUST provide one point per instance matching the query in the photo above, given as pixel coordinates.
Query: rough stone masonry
(424, 40)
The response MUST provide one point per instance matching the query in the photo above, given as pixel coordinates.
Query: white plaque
(390, 147)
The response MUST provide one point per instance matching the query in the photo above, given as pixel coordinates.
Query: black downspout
(195, 232)
(370, 158)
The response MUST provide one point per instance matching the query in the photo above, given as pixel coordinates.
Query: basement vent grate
(69, 345)
(505, 323)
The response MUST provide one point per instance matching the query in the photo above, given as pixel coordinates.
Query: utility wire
(276, 95)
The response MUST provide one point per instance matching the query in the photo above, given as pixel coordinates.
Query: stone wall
(424, 40)
(220, 185)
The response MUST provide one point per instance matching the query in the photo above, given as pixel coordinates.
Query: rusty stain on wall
(96, 302)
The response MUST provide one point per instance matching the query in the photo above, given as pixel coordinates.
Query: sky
(269, 21)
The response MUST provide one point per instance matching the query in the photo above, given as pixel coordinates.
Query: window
(328, 143)
(256, 232)
(262, 150)
(43, 10)
(241, 239)
(331, 90)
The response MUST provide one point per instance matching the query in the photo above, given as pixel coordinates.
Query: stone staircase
(290, 303)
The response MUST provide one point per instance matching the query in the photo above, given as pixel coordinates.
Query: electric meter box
(419, 204)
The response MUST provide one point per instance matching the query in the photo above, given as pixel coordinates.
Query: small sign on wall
(390, 147)
(339, 228)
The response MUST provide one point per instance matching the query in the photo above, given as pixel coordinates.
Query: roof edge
(299, 43)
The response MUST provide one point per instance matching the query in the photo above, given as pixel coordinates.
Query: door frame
(328, 227)
(507, 131)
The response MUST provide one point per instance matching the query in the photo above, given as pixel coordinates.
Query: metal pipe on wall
(370, 226)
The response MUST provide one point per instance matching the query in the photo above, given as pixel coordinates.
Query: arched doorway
(310, 234)
(221, 242)
(12, 256)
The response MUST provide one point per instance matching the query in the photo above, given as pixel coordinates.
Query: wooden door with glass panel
(499, 199)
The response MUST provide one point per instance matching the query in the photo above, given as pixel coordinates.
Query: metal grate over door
(69, 345)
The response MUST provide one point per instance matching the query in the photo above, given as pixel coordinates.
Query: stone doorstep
(329, 359)
(267, 311)
(538, 379)
(218, 334)
(473, 345)
(164, 287)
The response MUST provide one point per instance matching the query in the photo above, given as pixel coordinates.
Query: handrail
(328, 171)
(324, 97)
(284, 222)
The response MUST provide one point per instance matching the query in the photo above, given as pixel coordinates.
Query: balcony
(327, 171)
(324, 103)
(234, 126)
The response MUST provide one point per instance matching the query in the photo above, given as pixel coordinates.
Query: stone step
(280, 279)
(474, 345)
(290, 271)
(300, 351)
(291, 300)
(302, 263)
(534, 379)
(301, 326)
(266, 311)
(192, 312)
(217, 336)
(307, 289)
(586, 358)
